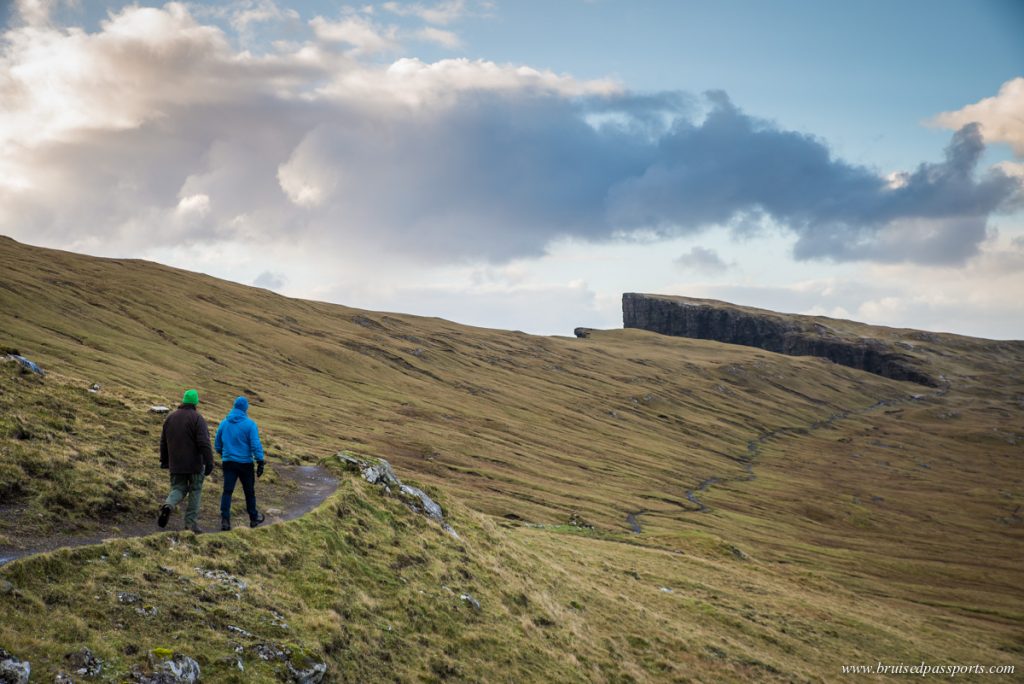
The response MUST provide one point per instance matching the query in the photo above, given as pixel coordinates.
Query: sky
(521, 164)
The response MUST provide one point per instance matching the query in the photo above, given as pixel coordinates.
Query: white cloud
(446, 39)
(363, 35)
(541, 308)
(196, 205)
(157, 134)
(438, 13)
(34, 12)
(1001, 116)
(410, 81)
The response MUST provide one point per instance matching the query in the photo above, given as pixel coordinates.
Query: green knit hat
(191, 397)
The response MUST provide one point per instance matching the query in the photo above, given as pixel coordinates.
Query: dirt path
(290, 492)
(634, 521)
(754, 446)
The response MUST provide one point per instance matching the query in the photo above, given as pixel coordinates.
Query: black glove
(259, 469)
(208, 470)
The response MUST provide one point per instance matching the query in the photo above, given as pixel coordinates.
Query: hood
(236, 416)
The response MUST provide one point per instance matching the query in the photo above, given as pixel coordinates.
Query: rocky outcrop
(378, 471)
(12, 670)
(169, 668)
(793, 335)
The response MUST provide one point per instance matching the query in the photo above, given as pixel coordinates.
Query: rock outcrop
(793, 335)
(379, 471)
(12, 670)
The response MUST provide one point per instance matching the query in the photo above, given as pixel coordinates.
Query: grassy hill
(794, 515)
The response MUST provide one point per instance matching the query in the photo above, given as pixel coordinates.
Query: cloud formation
(701, 259)
(1001, 116)
(155, 130)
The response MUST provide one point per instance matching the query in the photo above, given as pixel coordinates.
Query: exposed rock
(224, 578)
(128, 598)
(738, 553)
(427, 505)
(577, 521)
(5, 587)
(468, 598)
(84, 663)
(793, 335)
(240, 631)
(170, 669)
(26, 364)
(12, 670)
(95, 387)
(379, 471)
(582, 333)
(159, 409)
(270, 651)
(309, 671)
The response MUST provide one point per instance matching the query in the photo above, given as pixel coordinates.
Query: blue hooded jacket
(238, 439)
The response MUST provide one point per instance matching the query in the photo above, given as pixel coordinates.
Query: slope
(802, 514)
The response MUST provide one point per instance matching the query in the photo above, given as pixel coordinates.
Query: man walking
(238, 444)
(185, 451)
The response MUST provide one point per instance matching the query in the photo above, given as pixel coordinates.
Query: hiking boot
(165, 514)
(195, 529)
(225, 524)
(253, 522)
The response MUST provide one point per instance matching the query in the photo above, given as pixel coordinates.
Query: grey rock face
(27, 364)
(379, 471)
(84, 663)
(706, 321)
(429, 506)
(309, 672)
(12, 670)
(468, 598)
(178, 669)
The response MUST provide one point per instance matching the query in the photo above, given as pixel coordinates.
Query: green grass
(885, 533)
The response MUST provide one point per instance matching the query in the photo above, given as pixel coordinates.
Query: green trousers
(190, 486)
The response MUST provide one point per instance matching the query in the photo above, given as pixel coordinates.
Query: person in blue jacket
(238, 445)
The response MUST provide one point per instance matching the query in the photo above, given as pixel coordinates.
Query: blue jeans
(233, 472)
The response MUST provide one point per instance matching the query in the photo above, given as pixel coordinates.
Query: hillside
(736, 513)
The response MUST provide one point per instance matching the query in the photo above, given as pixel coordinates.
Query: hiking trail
(295, 490)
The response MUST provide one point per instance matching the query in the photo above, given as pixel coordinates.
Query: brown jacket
(185, 442)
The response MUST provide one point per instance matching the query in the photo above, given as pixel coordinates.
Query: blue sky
(521, 164)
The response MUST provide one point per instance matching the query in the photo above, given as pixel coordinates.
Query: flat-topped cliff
(783, 333)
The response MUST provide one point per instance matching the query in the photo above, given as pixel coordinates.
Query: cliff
(786, 334)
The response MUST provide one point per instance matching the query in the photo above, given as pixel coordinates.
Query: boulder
(468, 598)
(308, 671)
(84, 663)
(26, 364)
(170, 668)
(159, 409)
(12, 670)
(379, 471)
